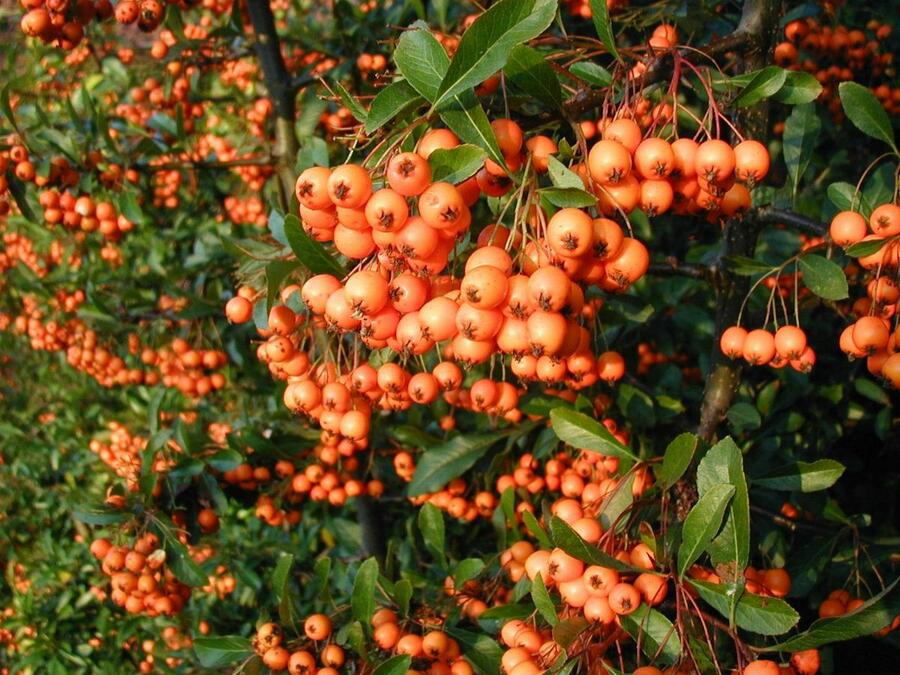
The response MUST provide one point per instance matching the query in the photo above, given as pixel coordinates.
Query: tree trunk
(759, 23)
(281, 92)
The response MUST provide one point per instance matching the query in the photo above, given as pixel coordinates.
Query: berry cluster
(587, 476)
(139, 580)
(61, 22)
(871, 336)
(83, 213)
(760, 347)
(528, 306)
(841, 54)
(710, 177)
(121, 451)
(194, 372)
(309, 657)
(17, 248)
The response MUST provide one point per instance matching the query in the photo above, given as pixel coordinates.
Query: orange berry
(349, 186)
(317, 627)
(624, 598)
(609, 162)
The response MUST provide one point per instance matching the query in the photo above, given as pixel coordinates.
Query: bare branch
(770, 215)
(672, 267)
(280, 89)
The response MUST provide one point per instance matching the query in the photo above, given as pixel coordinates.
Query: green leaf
(566, 632)
(281, 587)
(725, 464)
(864, 248)
(6, 107)
(876, 613)
(321, 576)
(180, 476)
(17, 189)
(394, 100)
(440, 7)
(846, 198)
(161, 122)
(396, 665)
(456, 164)
(407, 434)
(350, 102)
(801, 131)
(62, 142)
(879, 187)
(403, 591)
(148, 477)
(755, 613)
(603, 26)
(763, 84)
(743, 416)
(636, 404)
(677, 458)
(802, 476)
(313, 152)
(655, 633)
(225, 459)
(98, 514)
(561, 176)
(569, 665)
(592, 73)
(536, 530)
(178, 559)
(485, 47)
(467, 569)
(616, 503)
(431, 525)
(467, 119)
(586, 433)
(449, 460)
(276, 272)
(481, 650)
(701, 524)
(543, 602)
(275, 224)
(799, 87)
(217, 498)
(528, 70)
(221, 650)
(824, 277)
(866, 112)
(568, 197)
(153, 410)
(542, 405)
(312, 254)
(569, 541)
(362, 602)
(353, 635)
(508, 507)
(422, 60)
(503, 613)
(873, 392)
(809, 559)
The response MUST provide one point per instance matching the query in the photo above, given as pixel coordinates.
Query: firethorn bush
(385, 337)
